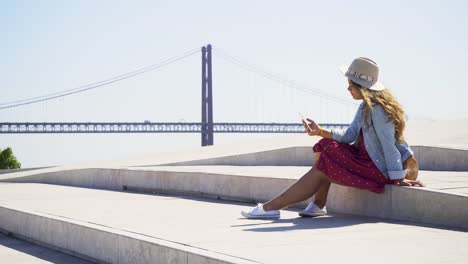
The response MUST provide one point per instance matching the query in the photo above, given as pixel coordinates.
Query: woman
(367, 155)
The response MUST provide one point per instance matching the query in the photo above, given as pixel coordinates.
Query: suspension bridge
(207, 127)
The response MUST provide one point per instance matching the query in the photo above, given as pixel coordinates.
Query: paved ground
(218, 227)
(15, 251)
(449, 181)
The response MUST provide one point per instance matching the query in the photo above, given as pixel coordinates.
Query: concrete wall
(294, 156)
(441, 159)
(429, 158)
(5, 171)
(402, 203)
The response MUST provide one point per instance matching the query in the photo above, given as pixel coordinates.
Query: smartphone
(303, 117)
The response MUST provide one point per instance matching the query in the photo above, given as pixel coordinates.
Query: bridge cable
(96, 84)
(277, 78)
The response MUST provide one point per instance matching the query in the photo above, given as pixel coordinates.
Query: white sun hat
(364, 72)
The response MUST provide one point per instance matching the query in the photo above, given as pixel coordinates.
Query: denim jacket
(379, 137)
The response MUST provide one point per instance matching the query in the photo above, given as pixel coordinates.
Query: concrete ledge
(429, 158)
(203, 184)
(400, 203)
(441, 158)
(101, 244)
(292, 156)
(4, 171)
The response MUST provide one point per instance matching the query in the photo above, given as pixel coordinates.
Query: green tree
(8, 160)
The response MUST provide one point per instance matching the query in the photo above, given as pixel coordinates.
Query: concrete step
(292, 150)
(258, 184)
(17, 251)
(433, 158)
(118, 227)
(70, 225)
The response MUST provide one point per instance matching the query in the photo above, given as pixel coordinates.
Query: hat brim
(378, 86)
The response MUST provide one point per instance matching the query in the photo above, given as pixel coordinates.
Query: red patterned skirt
(349, 165)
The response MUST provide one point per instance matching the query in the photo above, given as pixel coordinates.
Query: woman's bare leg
(301, 190)
(320, 198)
(316, 157)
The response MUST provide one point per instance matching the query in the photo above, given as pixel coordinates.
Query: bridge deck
(149, 127)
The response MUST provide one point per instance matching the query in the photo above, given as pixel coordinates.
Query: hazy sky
(49, 46)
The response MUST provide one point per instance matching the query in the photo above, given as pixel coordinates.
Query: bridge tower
(207, 98)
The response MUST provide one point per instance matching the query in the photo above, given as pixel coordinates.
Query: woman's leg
(301, 190)
(320, 198)
(316, 157)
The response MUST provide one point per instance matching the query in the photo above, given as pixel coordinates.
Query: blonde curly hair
(391, 106)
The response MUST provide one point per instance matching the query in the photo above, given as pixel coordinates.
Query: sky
(51, 46)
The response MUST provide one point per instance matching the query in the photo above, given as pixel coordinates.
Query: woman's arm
(350, 134)
(405, 150)
(325, 133)
(313, 129)
(385, 131)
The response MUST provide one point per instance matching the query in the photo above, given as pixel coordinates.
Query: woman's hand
(311, 127)
(405, 182)
(412, 166)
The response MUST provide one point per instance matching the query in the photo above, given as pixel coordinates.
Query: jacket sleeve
(350, 134)
(385, 131)
(404, 150)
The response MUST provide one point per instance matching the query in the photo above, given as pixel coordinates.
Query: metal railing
(150, 127)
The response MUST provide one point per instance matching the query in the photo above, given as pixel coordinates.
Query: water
(66, 149)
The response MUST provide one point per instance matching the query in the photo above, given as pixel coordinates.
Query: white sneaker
(258, 212)
(313, 210)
